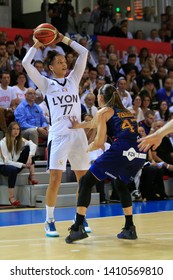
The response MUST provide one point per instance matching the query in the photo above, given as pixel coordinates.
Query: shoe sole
(52, 235)
(69, 240)
(125, 238)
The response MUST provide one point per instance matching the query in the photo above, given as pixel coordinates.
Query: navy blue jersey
(122, 125)
(123, 159)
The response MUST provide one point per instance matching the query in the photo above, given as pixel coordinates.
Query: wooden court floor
(155, 240)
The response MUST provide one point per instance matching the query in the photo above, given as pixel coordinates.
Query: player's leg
(129, 231)
(79, 174)
(77, 231)
(57, 158)
(51, 197)
(80, 164)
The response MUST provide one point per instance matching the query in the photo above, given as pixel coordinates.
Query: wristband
(66, 40)
(167, 166)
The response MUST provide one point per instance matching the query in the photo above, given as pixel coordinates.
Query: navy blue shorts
(122, 160)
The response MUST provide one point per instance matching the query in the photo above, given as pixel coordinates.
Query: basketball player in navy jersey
(122, 160)
(62, 98)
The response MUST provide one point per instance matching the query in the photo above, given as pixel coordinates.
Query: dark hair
(21, 74)
(17, 37)
(51, 57)
(37, 61)
(8, 43)
(167, 113)
(111, 97)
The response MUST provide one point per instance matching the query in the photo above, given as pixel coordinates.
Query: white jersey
(61, 95)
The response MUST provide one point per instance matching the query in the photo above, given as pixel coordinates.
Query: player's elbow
(98, 143)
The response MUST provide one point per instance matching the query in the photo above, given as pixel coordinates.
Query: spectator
(131, 50)
(6, 98)
(103, 60)
(58, 12)
(99, 83)
(159, 61)
(149, 118)
(19, 89)
(102, 18)
(101, 72)
(124, 94)
(72, 22)
(39, 65)
(92, 77)
(144, 75)
(159, 77)
(4, 64)
(15, 154)
(10, 47)
(131, 63)
(31, 119)
(70, 59)
(139, 34)
(90, 104)
(96, 51)
(169, 62)
(17, 68)
(146, 103)
(149, 90)
(120, 31)
(162, 112)
(136, 103)
(144, 56)
(114, 65)
(154, 36)
(20, 51)
(110, 49)
(83, 21)
(3, 37)
(166, 93)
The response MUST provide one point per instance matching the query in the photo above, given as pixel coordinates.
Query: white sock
(49, 212)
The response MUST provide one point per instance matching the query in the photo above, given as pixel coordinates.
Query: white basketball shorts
(72, 148)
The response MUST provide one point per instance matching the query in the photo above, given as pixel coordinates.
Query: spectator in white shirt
(90, 104)
(6, 98)
(124, 94)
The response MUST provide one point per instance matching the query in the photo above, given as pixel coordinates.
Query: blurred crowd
(145, 84)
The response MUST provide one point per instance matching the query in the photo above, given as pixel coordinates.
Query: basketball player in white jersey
(62, 98)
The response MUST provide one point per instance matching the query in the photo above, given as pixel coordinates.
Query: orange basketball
(46, 33)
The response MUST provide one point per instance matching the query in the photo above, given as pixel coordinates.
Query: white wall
(31, 6)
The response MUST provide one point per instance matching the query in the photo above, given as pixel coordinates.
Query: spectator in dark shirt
(58, 12)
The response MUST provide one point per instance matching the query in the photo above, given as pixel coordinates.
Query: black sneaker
(128, 233)
(76, 235)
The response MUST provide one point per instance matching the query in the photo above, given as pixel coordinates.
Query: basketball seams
(45, 29)
(46, 33)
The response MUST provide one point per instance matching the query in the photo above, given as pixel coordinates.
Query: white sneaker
(51, 229)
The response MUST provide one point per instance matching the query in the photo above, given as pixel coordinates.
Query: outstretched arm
(155, 139)
(99, 140)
